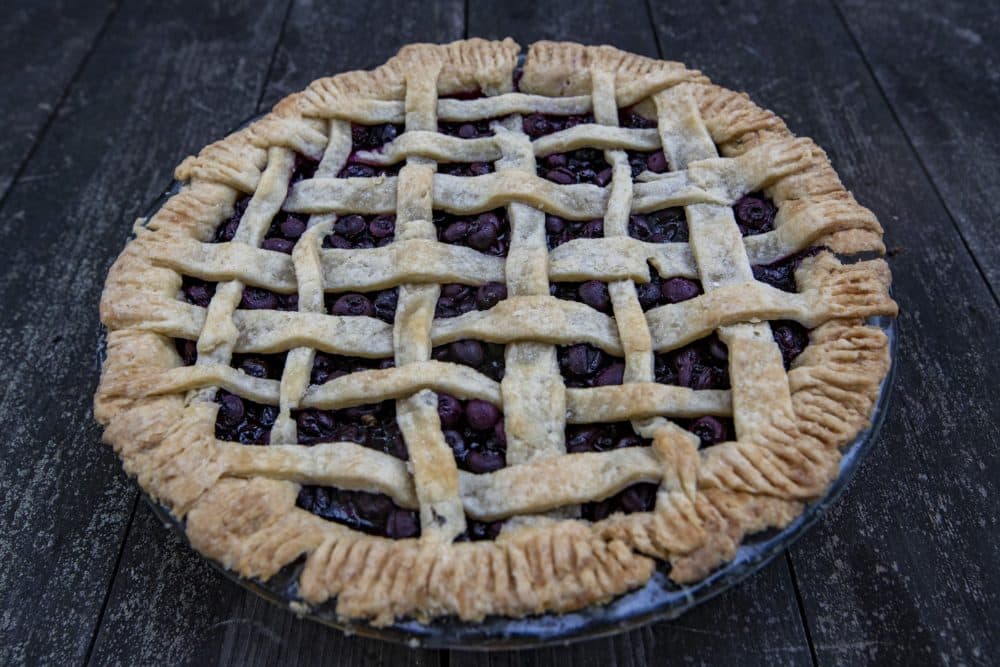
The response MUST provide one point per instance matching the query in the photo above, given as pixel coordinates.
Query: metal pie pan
(659, 599)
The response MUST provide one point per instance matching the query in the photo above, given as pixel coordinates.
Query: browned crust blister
(707, 500)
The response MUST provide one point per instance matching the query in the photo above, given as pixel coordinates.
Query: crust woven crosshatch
(476, 340)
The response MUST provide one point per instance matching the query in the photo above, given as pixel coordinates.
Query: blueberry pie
(463, 337)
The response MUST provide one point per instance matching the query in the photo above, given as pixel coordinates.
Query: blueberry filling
(668, 225)
(456, 299)
(465, 169)
(559, 230)
(477, 531)
(582, 438)
(472, 129)
(227, 228)
(305, 167)
(630, 118)
(243, 421)
(754, 214)
(188, 351)
(594, 293)
(660, 292)
(284, 232)
(636, 498)
(370, 138)
(487, 232)
(361, 232)
(197, 292)
(781, 274)
(264, 366)
(584, 165)
(474, 430)
(487, 358)
(654, 161)
(703, 364)
(381, 304)
(258, 298)
(328, 367)
(372, 426)
(791, 338)
(710, 430)
(538, 125)
(584, 365)
(372, 513)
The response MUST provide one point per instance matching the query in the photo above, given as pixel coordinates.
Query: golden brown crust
(240, 506)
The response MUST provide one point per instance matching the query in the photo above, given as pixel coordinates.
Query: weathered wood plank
(41, 47)
(135, 109)
(901, 571)
(757, 623)
(624, 25)
(937, 64)
(190, 613)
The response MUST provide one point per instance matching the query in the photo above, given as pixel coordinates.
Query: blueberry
(449, 410)
(258, 299)
(603, 177)
(613, 374)
(556, 160)
(649, 294)
(709, 429)
(382, 226)
(467, 131)
(582, 360)
(336, 241)
(791, 337)
(402, 524)
(657, 162)
(385, 305)
(278, 245)
(583, 439)
(561, 176)
(484, 460)
(199, 293)
(256, 367)
(479, 168)
(593, 229)
(231, 410)
(456, 232)
(354, 305)
(594, 293)
(188, 351)
(676, 290)
(467, 352)
(357, 171)
(457, 444)
(554, 224)
(483, 232)
(490, 295)
(350, 226)
(292, 228)
(755, 212)
(638, 498)
(481, 415)
(314, 423)
(535, 125)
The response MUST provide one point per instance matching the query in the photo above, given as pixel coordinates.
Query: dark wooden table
(101, 99)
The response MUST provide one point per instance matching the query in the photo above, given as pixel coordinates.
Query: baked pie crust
(239, 503)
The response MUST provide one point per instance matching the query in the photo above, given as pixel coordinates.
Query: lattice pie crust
(239, 502)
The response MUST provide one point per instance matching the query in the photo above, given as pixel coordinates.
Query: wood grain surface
(102, 98)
